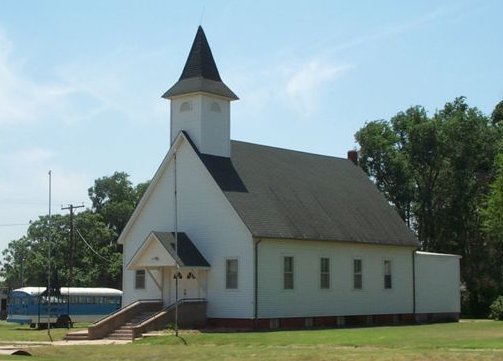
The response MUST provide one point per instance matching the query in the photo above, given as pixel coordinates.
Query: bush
(497, 309)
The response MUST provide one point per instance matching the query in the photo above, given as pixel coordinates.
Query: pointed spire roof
(200, 61)
(200, 73)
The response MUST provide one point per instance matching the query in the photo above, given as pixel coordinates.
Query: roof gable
(159, 249)
(186, 253)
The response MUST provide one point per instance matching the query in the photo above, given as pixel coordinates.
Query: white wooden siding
(308, 299)
(437, 283)
(211, 223)
(208, 129)
(189, 121)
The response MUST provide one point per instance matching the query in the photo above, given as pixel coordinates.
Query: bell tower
(200, 101)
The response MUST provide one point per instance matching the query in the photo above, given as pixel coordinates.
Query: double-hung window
(325, 273)
(387, 274)
(357, 274)
(231, 274)
(139, 281)
(288, 273)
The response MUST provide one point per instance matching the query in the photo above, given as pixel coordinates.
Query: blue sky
(80, 82)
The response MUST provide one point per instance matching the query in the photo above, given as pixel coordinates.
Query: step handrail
(167, 309)
(124, 309)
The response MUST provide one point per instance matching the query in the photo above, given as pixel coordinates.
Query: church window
(215, 107)
(186, 107)
(288, 273)
(139, 282)
(325, 273)
(231, 274)
(357, 274)
(387, 274)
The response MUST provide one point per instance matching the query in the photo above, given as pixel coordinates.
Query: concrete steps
(77, 336)
(125, 332)
(143, 316)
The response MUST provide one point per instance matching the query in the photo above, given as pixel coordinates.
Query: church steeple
(200, 101)
(200, 73)
(200, 61)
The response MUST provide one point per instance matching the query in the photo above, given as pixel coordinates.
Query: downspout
(255, 311)
(414, 284)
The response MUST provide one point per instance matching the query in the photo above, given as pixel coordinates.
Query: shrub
(497, 309)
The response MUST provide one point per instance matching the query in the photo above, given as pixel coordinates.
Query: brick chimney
(353, 156)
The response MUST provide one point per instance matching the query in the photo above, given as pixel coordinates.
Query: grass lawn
(472, 340)
(14, 332)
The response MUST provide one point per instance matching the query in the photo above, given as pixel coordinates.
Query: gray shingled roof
(200, 73)
(281, 193)
(188, 254)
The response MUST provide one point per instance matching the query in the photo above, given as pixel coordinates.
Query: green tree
(115, 198)
(493, 213)
(381, 159)
(436, 171)
(497, 115)
(94, 258)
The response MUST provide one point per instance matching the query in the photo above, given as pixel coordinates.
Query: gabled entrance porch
(179, 271)
(174, 264)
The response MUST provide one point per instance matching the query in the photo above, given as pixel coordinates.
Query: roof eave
(148, 192)
(200, 85)
(413, 245)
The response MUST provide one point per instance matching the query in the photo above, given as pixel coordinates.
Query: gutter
(414, 283)
(255, 305)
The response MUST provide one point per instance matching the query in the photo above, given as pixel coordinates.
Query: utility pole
(71, 207)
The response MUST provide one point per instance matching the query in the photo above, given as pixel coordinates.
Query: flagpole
(49, 262)
(176, 248)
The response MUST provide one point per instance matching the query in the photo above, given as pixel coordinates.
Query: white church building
(270, 237)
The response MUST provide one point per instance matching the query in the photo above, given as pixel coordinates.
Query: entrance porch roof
(158, 250)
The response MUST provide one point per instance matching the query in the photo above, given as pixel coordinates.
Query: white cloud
(24, 184)
(395, 29)
(29, 155)
(78, 90)
(22, 100)
(106, 82)
(304, 85)
(25, 177)
(83, 89)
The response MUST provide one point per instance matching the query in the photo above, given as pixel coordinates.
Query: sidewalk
(9, 345)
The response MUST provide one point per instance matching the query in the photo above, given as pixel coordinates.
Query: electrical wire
(91, 248)
(14, 224)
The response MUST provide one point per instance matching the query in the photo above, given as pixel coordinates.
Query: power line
(71, 207)
(91, 248)
(14, 224)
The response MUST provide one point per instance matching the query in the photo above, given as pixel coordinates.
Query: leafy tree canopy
(115, 198)
(436, 170)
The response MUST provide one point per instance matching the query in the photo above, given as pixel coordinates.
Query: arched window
(186, 107)
(215, 107)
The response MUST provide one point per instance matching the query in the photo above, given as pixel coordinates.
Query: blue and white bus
(30, 305)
